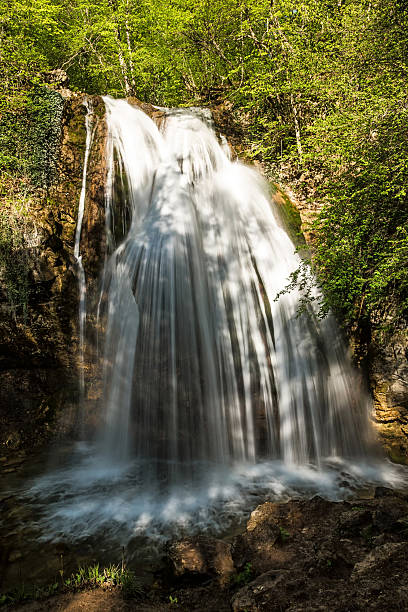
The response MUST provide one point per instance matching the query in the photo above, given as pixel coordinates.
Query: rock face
(388, 372)
(39, 346)
(332, 558)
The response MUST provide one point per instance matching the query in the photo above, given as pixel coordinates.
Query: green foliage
(91, 576)
(362, 249)
(284, 534)
(131, 587)
(319, 86)
(243, 577)
(14, 270)
(45, 112)
(30, 135)
(112, 575)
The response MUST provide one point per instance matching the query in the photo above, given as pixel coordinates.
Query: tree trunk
(297, 127)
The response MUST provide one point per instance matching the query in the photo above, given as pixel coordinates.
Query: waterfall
(203, 365)
(218, 394)
(77, 255)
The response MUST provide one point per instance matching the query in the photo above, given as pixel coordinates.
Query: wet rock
(202, 556)
(243, 601)
(388, 373)
(349, 551)
(383, 492)
(308, 570)
(62, 548)
(266, 589)
(383, 520)
(15, 461)
(264, 516)
(379, 540)
(390, 515)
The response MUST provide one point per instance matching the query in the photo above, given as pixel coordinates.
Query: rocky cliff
(39, 339)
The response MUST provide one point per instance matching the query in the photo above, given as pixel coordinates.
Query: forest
(318, 88)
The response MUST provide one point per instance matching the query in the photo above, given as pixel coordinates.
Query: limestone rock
(202, 556)
(388, 373)
(257, 545)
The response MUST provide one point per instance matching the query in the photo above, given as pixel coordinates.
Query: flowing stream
(218, 394)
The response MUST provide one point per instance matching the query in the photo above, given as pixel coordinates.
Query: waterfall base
(86, 497)
(85, 510)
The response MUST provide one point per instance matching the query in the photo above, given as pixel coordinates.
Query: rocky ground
(303, 555)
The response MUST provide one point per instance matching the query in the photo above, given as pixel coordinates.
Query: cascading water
(77, 255)
(217, 395)
(202, 364)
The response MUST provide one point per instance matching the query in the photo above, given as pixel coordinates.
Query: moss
(289, 215)
(397, 456)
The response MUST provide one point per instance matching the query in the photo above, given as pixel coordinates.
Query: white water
(90, 497)
(216, 397)
(201, 363)
(77, 255)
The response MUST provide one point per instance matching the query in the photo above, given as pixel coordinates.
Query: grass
(92, 576)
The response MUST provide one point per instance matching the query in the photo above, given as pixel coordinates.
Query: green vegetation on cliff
(319, 87)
